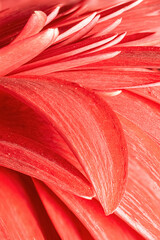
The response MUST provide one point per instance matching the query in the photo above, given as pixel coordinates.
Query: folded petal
(88, 126)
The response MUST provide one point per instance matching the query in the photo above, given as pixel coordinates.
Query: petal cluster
(79, 126)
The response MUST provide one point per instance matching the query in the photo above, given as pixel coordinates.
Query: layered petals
(94, 145)
(19, 212)
(14, 55)
(91, 214)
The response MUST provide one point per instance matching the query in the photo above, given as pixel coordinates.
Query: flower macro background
(79, 125)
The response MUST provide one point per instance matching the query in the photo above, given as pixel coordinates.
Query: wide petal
(36, 161)
(141, 111)
(140, 205)
(104, 80)
(91, 214)
(89, 127)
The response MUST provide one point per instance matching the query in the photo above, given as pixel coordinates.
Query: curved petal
(152, 93)
(89, 127)
(65, 222)
(91, 214)
(104, 80)
(139, 110)
(34, 25)
(140, 205)
(20, 217)
(15, 55)
(41, 163)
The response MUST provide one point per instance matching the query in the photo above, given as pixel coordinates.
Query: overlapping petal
(58, 127)
(20, 217)
(94, 145)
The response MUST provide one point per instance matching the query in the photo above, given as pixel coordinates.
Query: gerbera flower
(79, 103)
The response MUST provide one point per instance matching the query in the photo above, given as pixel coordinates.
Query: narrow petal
(34, 25)
(117, 10)
(15, 55)
(133, 57)
(75, 28)
(88, 126)
(69, 64)
(66, 224)
(52, 15)
(22, 215)
(62, 54)
(104, 80)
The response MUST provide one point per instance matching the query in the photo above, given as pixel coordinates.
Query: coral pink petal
(34, 25)
(69, 52)
(15, 55)
(144, 17)
(19, 209)
(75, 28)
(115, 41)
(109, 28)
(133, 57)
(104, 80)
(69, 64)
(152, 93)
(77, 36)
(99, 145)
(91, 214)
(41, 163)
(52, 15)
(140, 205)
(150, 38)
(137, 109)
(118, 10)
(66, 224)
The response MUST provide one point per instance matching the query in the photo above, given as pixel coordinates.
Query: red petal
(41, 163)
(133, 57)
(142, 112)
(21, 212)
(91, 214)
(117, 10)
(66, 224)
(152, 93)
(52, 15)
(140, 205)
(112, 79)
(34, 25)
(17, 119)
(69, 64)
(88, 126)
(15, 55)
